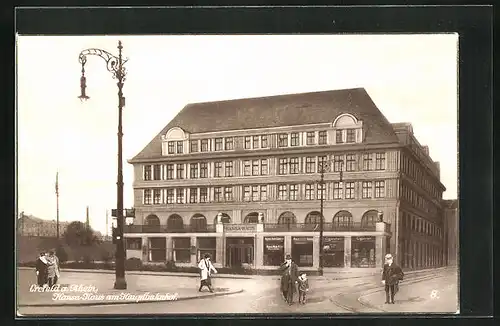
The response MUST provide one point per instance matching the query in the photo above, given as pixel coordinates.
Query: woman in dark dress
(41, 269)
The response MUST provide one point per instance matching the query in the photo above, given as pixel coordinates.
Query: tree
(78, 234)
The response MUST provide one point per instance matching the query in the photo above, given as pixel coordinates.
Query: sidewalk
(81, 289)
(437, 295)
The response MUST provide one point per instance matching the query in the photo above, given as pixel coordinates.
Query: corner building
(239, 179)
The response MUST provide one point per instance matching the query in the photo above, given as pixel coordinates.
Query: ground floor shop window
(274, 251)
(302, 251)
(239, 252)
(157, 249)
(363, 252)
(333, 251)
(133, 243)
(207, 246)
(182, 250)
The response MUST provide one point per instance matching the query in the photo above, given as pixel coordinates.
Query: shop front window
(363, 252)
(333, 251)
(207, 246)
(157, 249)
(302, 251)
(182, 250)
(274, 251)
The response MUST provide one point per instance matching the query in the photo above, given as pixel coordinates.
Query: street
(261, 295)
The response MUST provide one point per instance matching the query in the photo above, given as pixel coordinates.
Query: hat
(206, 256)
(288, 257)
(388, 256)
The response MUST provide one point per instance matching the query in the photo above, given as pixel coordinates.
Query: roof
(278, 111)
(451, 203)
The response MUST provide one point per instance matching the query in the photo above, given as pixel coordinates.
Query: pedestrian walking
(303, 286)
(391, 275)
(52, 267)
(288, 279)
(206, 269)
(41, 269)
(53, 257)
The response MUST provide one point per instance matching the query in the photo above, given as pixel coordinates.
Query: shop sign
(274, 243)
(333, 239)
(364, 239)
(279, 239)
(302, 239)
(243, 228)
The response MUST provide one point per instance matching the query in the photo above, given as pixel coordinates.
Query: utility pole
(57, 205)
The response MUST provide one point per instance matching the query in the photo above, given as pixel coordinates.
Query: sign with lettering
(240, 228)
(278, 239)
(333, 239)
(302, 239)
(363, 239)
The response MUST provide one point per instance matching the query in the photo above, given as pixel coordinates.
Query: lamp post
(115, 66)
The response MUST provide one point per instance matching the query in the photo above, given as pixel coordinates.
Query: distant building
(451, 229)
(239, 179)
(28, 225)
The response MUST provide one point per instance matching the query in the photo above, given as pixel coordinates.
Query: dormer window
(171, 147)
(282, 140)
(204, 145)
(322, 138)
(311, 138)
(350, 136)
(194, 146)
(294, 139)
(229, 143)
(174, 141)
(180, 147)
(218, 144)
(348, 129)
(248, 142)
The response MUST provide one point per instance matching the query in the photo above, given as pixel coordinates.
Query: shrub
(61, 254)
(133, 264)
(170, 266)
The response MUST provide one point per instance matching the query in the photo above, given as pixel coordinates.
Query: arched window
(342, 220)
(225, 218)
(175, 222)
(152, 220)
(251, 218)
(369, 219)
(287, 218)
(313, 218)
(198, 222)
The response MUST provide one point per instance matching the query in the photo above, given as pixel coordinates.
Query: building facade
(451, 232)
(239, 179)
(28, 225)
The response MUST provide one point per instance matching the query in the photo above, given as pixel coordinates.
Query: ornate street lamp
(115, 66)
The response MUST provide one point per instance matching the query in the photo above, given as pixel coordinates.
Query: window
(349, 190)
(180, 196)
(311, 138)
(207, 246)
(203, 170)
(218, 169)
(367, 162)
(228, 193)
(351, 136)
(147, 196)
(182, 250)
(379, 189)
(180, 148)
(133, 243)
(229, 168)
(170, 171)
(248, 142)
(194, 146)
(274, 250)
(321, 191)
(282, 167)
(157, 249)
(293, 192)
(380, 161)
(338, 137)
(156, 196)
(218, 194)
(255, 141)
(180, 171)
(204, 145)
(247, 193)
(194, 170)
(321, 162)
(367, 189)
(147, 172)
(282, 192)
(294, 139)
(203, 195)
(322, 138)
(218, 144)
(337, 190)
(171, 147)
(255, 167)
(170, 196)
(247, 168)
(338, 163)
(157, 172)
(351, 162)
(229, 143)
(263, 193)
(263, 141)
(263, 167)
(309, 191)
(310, 164)
(294, 165)
(282, 140)
(255, 193)
(193, 195)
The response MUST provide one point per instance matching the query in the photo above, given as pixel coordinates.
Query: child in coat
(303, 287)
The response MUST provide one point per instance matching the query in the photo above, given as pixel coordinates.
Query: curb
(108, 303)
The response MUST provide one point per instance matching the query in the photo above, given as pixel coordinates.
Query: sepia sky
(411, 78)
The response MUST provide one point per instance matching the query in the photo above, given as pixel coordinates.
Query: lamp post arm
(113, 63)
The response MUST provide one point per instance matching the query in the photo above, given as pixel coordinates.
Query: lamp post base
(120, 283)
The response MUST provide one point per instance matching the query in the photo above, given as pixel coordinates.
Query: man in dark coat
(391, 276)
(41, 269)
(288, 278)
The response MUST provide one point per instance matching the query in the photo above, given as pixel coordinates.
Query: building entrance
(239, 251)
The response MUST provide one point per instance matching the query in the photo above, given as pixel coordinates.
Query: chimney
(87, 220)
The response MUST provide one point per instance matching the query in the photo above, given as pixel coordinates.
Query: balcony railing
(164, 229)
(327, 227)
